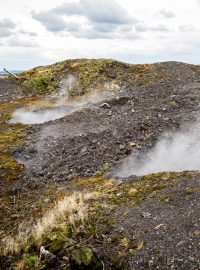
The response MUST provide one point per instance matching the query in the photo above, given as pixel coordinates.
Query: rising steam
(173, 152)
(62, 105)
(34, 115)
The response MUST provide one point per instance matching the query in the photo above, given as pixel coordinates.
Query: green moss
(83, 256)
(30, 261)
(11, 137)
(91, 72)
(106, 166)
(137, 191)
(102, 170)
(41, 80)
(172, 102)
(68, 231)
(57, 244)
(40, 83)
(99, 172)
(125, 242)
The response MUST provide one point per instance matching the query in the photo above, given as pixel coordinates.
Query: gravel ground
(8, 89)
(79, 144)
(168, 225)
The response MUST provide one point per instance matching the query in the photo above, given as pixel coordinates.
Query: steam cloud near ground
(173, 152)
(34, 115)
(61, 105)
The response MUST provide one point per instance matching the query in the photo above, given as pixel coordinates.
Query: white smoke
(173, 152)
(60, 105)
(34, 115)
(67, 85)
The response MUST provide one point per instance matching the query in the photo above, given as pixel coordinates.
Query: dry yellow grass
(72, 208)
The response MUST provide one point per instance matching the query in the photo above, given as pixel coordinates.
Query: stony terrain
(148, 222)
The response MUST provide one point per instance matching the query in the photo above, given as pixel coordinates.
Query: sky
(40, 32)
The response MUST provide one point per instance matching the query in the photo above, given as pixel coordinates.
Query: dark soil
(8, 89)
(79, 144)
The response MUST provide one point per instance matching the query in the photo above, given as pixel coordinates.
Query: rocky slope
(64, 170)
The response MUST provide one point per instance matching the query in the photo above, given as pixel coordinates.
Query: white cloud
(99, 11)
(97, 19)
(142, 27)
(6, 27)
(19, 42)
(50, 20)
(7, 23)
(186, 28)
(134, 31)
(167, 13)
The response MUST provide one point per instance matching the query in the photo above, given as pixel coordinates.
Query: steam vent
(100, 167)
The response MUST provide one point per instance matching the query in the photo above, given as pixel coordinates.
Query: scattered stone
(169, 239)
(65, 258)
(122, 147)
(146, 215)
(105, 106)
(132, 144)
(46, 255)
(15, 216)
(72, 176)
(159, 226)
(180, 243)
(151, 263)
(166, 118)
(191, 258)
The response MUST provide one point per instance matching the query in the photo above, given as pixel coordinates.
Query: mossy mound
(95, 74)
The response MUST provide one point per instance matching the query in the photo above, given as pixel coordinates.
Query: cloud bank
(96, 19)
(91, 19)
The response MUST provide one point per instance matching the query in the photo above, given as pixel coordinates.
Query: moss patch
(11, 137)
(30, 261)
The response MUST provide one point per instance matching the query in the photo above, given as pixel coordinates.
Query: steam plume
(173, 152)
(62, 105)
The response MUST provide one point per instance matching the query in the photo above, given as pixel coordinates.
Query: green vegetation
(30, 261)
(102, 170)
(40, 81)
(83, 255)
(91, 75)
(11, 137)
